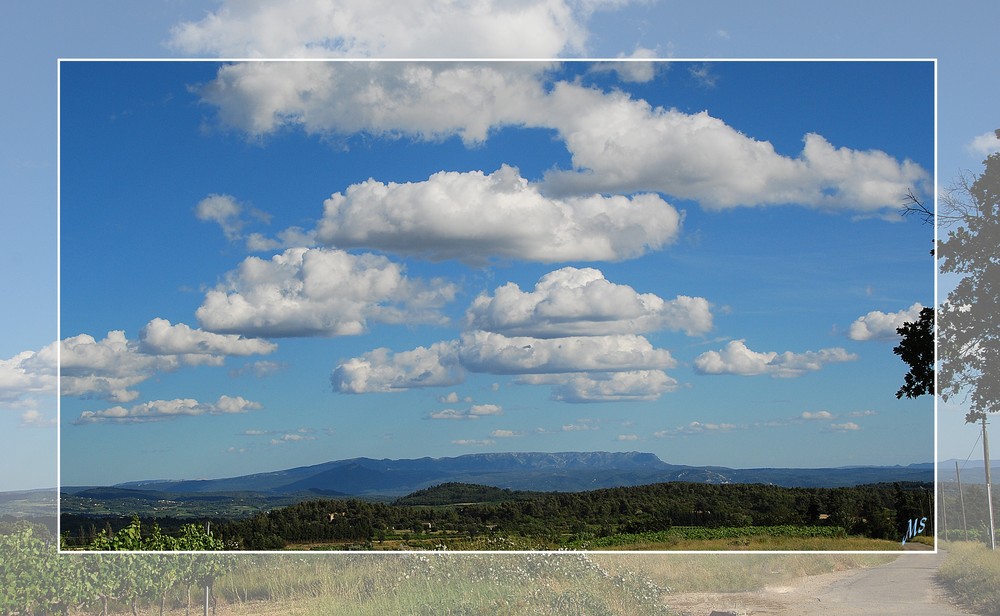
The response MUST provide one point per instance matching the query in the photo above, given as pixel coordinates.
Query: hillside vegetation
(463, 516)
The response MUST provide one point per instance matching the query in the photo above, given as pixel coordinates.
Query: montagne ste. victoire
(564, 472)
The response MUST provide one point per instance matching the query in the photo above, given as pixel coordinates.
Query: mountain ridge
(558, 471)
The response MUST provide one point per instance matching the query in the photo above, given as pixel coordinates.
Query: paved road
(904, 586)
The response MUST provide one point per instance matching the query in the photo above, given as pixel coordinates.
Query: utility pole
(208, 586)
(989, 488)
(944, 511)
(961, 498)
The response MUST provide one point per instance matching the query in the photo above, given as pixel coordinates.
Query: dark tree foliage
(916, 348)
(870, 510)
(969, 321)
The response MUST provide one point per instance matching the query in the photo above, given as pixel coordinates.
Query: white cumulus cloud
(623, 144)
(109, 368)
(984, 144)
(633, 385)
(618, 144)
(498, 354)
(475, 216)
(27, 375)
(637, 67)
(737, 358)
(319, 292)
(878, 325)
(381, 370)
(223, 210)
(582, 302)
(580, 368)
(428, 101)
(160, 337)
(386, 28)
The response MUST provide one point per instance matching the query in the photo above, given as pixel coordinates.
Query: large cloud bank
(618, 144)
(386, 28)
(576, 332)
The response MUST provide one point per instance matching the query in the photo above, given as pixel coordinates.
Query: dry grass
(458, 584)
(972, 573)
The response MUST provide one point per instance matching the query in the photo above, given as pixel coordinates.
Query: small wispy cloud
(703, 74)
(474, 442)
(505, 434)
(292, 437)
(259, 369)
(35, 419)
(159, 410)
(697, 427)
(473, 412)
(984, 144)
(818, 416)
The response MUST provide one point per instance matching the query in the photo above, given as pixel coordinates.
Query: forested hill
(463, 493)
(877, 511)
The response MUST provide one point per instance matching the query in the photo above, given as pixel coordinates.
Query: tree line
(880, 511)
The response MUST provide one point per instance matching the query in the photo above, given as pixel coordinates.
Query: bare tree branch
(913, 205)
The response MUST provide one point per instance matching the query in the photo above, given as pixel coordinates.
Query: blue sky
(688, 258)
(38, 33)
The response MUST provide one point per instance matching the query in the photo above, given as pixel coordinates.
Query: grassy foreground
(972, 573)
(36, 580)
(431, 584)
(514, 584)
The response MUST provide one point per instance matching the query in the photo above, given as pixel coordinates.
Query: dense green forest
(453, 510)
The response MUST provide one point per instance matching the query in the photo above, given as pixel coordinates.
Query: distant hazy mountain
(567, 471)
(971, 471)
